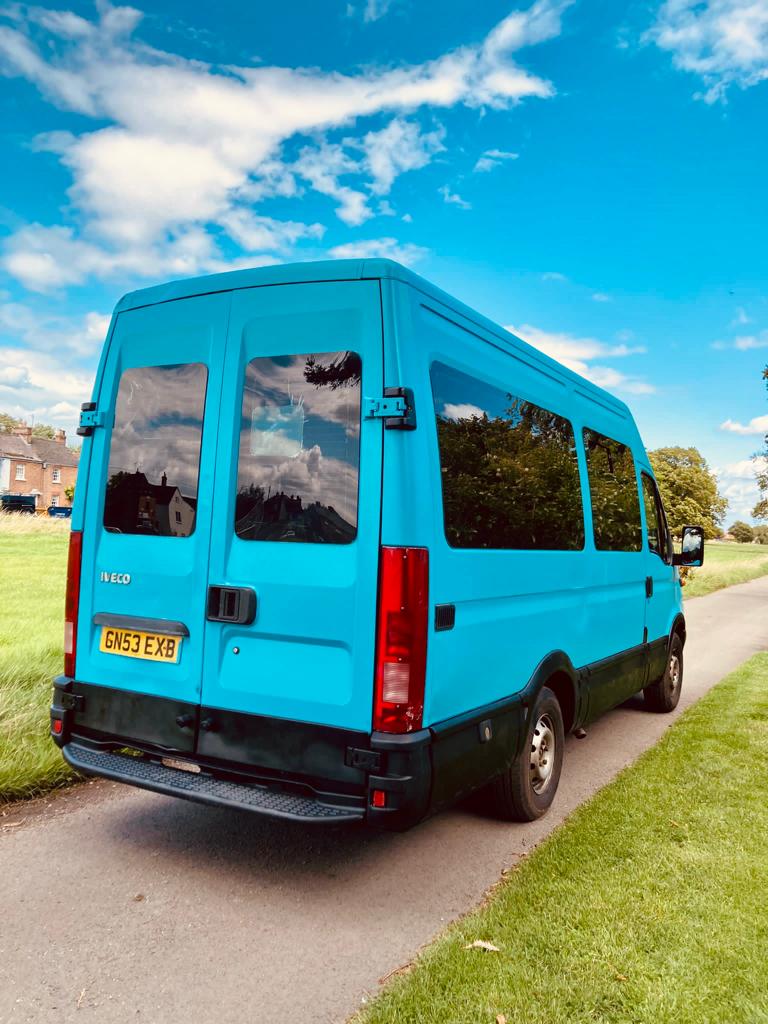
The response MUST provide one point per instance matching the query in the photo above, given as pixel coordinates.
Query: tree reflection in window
(613, 494)
(299, 452)
(509, 470)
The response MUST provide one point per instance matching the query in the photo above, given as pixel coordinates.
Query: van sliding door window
(510, 476)
(154, 455)
(298, 467)
(613, 492)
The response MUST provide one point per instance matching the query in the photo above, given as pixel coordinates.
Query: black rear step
(205, 788)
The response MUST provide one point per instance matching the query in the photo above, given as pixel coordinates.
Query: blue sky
(592, 174)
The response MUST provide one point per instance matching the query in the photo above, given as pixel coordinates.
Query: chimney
(60, 437)
(24, 432)
(164, 480)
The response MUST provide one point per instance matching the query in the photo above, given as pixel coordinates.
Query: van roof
(357, 270)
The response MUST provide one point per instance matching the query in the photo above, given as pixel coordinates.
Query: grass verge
(32, 580)
(646, 907)
(726, 564)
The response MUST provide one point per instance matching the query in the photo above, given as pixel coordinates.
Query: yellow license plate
(133, 644)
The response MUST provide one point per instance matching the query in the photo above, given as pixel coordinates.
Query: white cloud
(601, 297)
(40, 373)
(461, 411)
(746, 342)
(382, 248)
(492, 158)
(740, 318)
(577, 354)
(745, 469)
(14, 377)
(743, 343)
(53, 333)
(725, 42)
(399, 147)
(182, 146)
(453, 198)
(553, 275)
(375, 9)
(757, 426)
(737, 482)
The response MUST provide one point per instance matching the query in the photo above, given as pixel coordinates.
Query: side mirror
(692, 553)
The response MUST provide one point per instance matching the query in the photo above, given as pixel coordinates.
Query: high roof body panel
(357, 270)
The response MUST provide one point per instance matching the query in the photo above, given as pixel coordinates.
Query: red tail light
(72, 601)
(401, 641)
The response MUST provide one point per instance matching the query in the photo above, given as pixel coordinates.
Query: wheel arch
(678, 628)
(556, 671)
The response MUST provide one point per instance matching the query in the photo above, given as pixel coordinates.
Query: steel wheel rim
(543, 753)
(673, 673)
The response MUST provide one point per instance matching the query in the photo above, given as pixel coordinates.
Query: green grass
(33, 557)
(647, 907)
(726, 564)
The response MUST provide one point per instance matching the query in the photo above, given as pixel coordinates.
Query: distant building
(37, 466)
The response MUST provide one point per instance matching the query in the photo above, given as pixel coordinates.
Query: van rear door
(147, 522)
(296, 518)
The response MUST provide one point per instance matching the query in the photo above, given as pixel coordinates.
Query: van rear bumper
(204, 787)
(274, 767)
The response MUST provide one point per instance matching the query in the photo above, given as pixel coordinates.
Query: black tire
(521, 794)
(664, 694)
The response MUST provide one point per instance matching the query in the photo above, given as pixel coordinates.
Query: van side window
(654, 517)
(154, 455)
(298, 467)
(510, 475)
(613, 491)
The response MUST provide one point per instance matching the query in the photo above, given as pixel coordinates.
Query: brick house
(37, 466)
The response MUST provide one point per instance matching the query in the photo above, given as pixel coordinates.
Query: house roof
(39, 449)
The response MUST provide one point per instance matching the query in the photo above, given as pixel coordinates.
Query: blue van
(343, 549)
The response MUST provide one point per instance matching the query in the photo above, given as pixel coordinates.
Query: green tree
(688, 489)
(9, 423)
(760, 534)
(760, 511)
(742, 532)
(70, 493)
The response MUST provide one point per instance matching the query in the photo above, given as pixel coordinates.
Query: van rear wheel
(527, 788)
(664, 694)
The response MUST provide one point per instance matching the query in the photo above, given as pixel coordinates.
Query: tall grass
(19, 523)
(33, 557)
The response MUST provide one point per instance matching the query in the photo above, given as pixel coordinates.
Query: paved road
(117, 905)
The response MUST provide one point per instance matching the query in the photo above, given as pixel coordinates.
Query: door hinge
(90, 418)
(396, 408)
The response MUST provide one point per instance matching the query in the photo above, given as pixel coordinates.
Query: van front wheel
(664, 694)
(527, 788)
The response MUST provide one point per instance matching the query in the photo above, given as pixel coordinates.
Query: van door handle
(231, 604)
(649, 586)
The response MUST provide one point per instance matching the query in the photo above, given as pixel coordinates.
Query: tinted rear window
(298, 467)
(613, 491)
(509, 470)
(154, 455)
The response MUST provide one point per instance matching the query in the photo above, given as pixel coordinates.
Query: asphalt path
(118, 905)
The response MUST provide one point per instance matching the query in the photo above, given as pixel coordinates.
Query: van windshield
(154, 455)
(299, 455)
